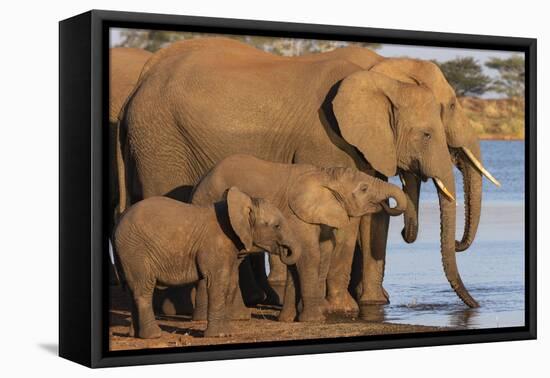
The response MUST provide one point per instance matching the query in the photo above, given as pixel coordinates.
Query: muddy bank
(181, 331)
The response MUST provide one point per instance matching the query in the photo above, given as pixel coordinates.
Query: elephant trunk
(289, 255)
(289, 249)
(411, 187)
(446, 191)
(473, 185)
(392, 191)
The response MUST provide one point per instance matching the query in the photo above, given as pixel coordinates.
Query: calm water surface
(492, 269)
(505, 160)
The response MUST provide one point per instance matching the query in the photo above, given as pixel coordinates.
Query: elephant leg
(308, 275)
(237, 309)
(201, 301)
(339, 300)
(326, 247)
(217, 286)
(288, 312)
(147, 327)
(277, 279)
(133, 318)
(257, 263)
(251, 291)
(373, 236)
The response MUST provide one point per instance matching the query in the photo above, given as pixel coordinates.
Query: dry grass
(496, 118)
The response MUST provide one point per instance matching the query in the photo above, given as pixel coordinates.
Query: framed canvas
(235, 188)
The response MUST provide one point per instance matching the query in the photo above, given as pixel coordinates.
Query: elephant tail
(115, 263)
(121, 172)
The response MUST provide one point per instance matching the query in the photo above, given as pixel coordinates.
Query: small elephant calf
(161, 241)
(323, 206)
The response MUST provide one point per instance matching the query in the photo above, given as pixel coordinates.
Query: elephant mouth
(391, 211)
(287, 255)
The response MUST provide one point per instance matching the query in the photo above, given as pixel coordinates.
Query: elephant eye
(452, 106)
(427, 136)
(364, 188)
(277, 226)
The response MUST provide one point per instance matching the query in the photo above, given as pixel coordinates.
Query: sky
(441, 54)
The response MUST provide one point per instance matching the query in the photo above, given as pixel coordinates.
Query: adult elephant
(462, 141)
(200, 101)
(463, 145)
(125, 65)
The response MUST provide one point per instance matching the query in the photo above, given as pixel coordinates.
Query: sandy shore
(181, 331)
(263, 327)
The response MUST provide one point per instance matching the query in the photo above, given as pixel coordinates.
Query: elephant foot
(287, 314)
(150, 332)
(374, 296)
(312, 313)
(341, 304)
(311, 316)
(222, 329)
(373, 313)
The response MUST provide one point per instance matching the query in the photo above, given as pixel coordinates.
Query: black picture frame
(83, 147)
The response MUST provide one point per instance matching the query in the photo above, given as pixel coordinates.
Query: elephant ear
(388, 69)
(314, 202)
(364, 108)
(239, 207)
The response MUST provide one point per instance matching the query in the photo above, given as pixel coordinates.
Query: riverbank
(263, 327)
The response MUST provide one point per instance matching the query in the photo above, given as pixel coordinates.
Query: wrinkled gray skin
(320, 204)
(125, 65)
(161, 241)
(200, 101)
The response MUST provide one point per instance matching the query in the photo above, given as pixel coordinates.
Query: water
(492, 269)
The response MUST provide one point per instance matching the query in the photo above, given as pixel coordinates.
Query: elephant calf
(161, 241)
(323, 206)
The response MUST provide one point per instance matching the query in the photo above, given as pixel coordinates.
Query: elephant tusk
(443, 189)
(480, 167)
(402, 180)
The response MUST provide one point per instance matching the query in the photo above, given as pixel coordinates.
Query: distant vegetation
(152, 40)
(501, 118)
(466, 76)
(511, 80)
